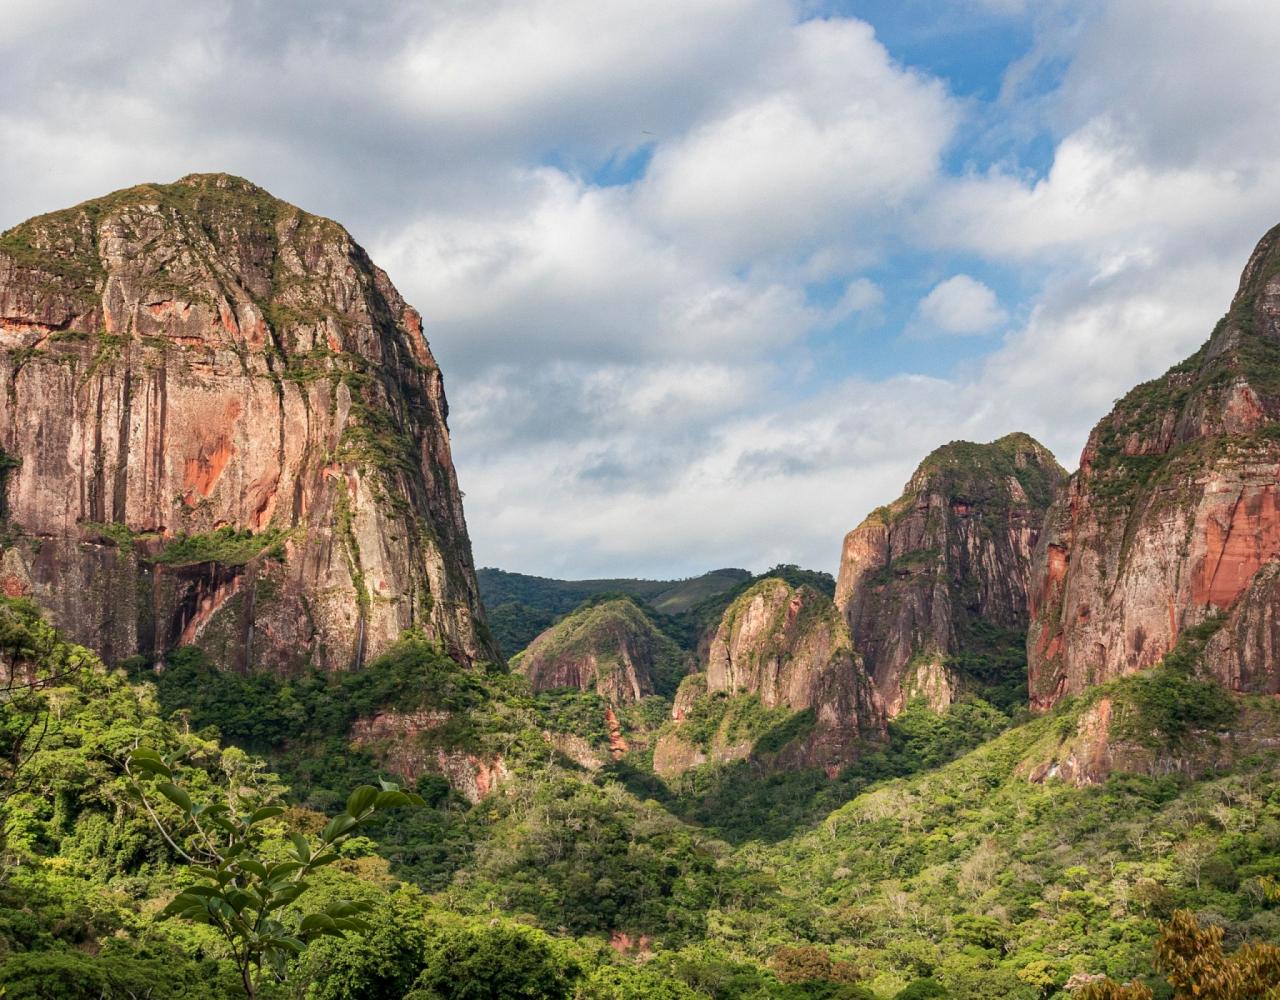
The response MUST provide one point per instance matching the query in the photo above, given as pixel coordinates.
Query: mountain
(520, 606)
(934, 586)
(1172, 521)
(222, 425)
(786, 650)
(611, 648)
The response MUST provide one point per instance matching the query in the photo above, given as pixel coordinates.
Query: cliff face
(228, 429)
(1173, 516)
(611, 648)
(934, 586)
(788, 647)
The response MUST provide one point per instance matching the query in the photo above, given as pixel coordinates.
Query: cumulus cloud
(831, 132)
(657, 244)
(961, 305)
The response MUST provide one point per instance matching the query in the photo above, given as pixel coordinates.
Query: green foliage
(923, 989)
(227, 546)
(559, 597)
(514, 625)
(120, 535)
(740, 804)
(992, 664)
(978, 473)
(248, 893)
(609, 629)
(795, 726)
(495, 962)
(72, 975)
(1166, 706)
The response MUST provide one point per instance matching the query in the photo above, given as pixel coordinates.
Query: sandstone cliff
(224, 426)
(788, 649)
(934, 586)
(1172, 519)
(611, 648)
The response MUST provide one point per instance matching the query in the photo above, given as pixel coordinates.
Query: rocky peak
(229, 430)
(611, 647)
(1173, 518)
(934, 586)
(789, 647)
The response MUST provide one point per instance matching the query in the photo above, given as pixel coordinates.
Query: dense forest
(934, 868)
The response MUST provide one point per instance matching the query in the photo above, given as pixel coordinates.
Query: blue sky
(707, 278)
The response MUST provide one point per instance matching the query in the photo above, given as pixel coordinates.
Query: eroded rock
(193, 357)
(943, 571)
(1172, 518)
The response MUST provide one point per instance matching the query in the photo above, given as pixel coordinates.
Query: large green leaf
(175, 795)
(265, 812)
(338, 826)
(361, 799)
(149, 766)
(315, 922)
(391, 800)
(301, 847)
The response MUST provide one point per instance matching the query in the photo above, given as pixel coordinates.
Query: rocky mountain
(1172, 521)
(519, 607)
(787, 648)
(611, 648)
(934, 586)
(222, 425)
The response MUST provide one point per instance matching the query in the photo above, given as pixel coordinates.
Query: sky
(708, 278)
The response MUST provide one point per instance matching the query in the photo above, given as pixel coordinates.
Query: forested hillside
(970, 874)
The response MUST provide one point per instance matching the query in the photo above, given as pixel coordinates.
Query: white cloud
(961, 305)
(831, 134)
(643, 375)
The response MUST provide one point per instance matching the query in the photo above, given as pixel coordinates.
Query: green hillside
(936, 868)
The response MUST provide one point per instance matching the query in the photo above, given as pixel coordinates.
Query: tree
(1195, 965)
(494, 962)
(33, 659)
(248, 892)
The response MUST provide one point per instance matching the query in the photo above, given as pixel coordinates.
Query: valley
(1028, 730)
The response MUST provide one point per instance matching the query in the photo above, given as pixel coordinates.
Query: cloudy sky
(707, 278)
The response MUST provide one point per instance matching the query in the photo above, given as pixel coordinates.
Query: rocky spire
(1172, 520)
(934, 586)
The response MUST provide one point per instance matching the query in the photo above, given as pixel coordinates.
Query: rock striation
(934, 586)
(1172, 520)
(611, 648)
(788, 647)
(221, 424)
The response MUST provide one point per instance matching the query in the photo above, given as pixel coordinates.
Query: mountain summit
(934, 586)
(1172, 520)
(223, 424)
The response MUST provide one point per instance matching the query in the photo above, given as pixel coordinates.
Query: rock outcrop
(1173, 519)
(222, 425)
(934, 586)
(788, 647)
(611, 648)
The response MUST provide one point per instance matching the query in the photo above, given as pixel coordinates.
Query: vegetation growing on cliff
(617, 635)
(227, 546)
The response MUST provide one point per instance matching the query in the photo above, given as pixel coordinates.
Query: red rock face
(1173, 518)
(789, 646)
(951, 554)
(188, 357)
(612, 649)
(617, 745)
